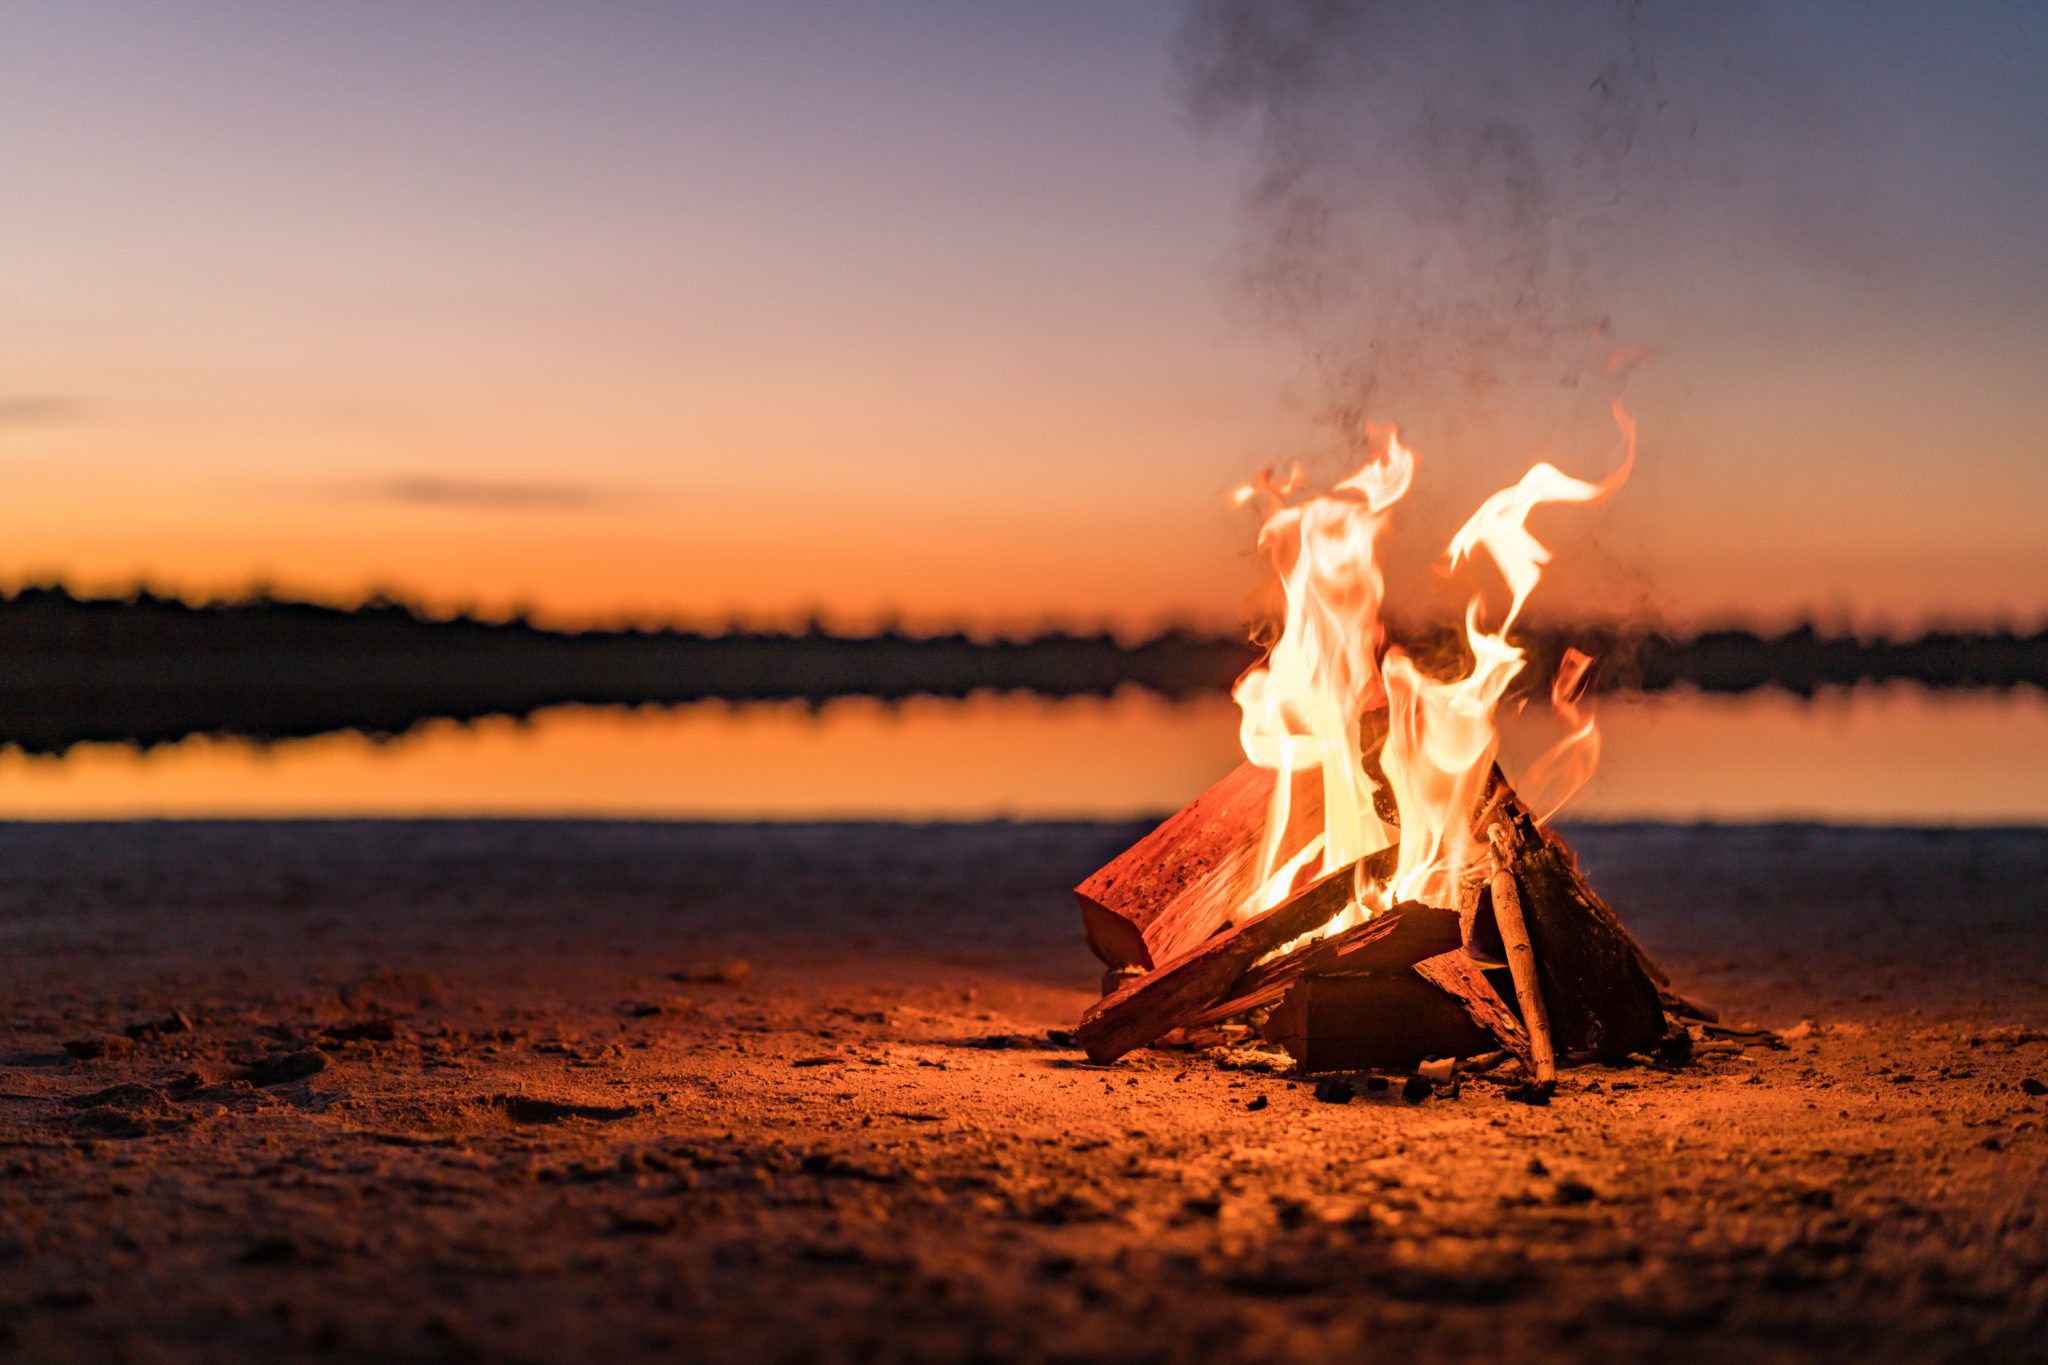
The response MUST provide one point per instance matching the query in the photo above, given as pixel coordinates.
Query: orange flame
(1305, 705)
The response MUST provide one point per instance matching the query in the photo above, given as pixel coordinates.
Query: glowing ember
(1332, 695)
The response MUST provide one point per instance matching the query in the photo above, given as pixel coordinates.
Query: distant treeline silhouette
(151, 669)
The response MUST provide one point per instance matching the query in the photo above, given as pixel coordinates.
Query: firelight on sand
(1402, 757)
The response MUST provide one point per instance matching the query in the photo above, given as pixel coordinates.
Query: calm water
(1878, 755)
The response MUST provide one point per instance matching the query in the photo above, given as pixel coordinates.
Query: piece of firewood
(1514, 937)
(1393, 941)
(1456, 974)
(1372, 1023)
(1193, 874)
(1387, 1014)
(1183, 881)
(1181, 990)
(1600, 990)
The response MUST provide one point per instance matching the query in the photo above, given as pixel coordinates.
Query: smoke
(1460, 200)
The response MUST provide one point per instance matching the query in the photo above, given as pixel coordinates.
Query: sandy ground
(494, 1091)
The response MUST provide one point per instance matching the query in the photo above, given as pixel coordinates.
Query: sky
(969, 312)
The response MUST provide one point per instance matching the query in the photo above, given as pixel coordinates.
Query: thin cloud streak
(41, 409)
(492, 495)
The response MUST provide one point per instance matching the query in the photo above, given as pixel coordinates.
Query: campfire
(1368, 888)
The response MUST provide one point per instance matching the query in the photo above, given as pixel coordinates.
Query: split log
(1395, 941)
(1602, 993)
(1182, 882)
(1187, 988)
(1372, 1023)
(1354, 1012)
(1455, 974)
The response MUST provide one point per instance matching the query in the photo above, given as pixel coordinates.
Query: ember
(1369, 886)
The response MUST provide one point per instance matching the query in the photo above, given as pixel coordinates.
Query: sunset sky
(954, 311)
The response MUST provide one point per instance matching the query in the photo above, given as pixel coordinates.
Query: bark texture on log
(1521, 955)
(1601, 991)
(1180, 991)
(1456, 974)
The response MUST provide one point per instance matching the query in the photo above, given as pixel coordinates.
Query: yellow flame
(1304, 705)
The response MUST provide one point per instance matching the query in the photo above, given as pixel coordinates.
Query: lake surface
(1877, 755)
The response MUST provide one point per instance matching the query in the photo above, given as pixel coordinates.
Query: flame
(1306, 705)
(1302, 706)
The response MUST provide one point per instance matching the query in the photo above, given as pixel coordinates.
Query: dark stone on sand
(276, 1250)
(98, 1046)
(1375, 1083)
(1415, 1090)
(525, 1109)
(819, 1061)
(377, 1030)
(1574, 1192)
(1334, 1090)
(2033, 1087)
(177, 1021)
(826, 1164)
(1257, 1104)
(280, 1068)
(1073, 1206)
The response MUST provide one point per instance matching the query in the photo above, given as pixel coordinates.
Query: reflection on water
(1873, 755)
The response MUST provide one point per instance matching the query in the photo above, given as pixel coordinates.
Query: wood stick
(1514, 935)
(1600, 990)
(1181, 990)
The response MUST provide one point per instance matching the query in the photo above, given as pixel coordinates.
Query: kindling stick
(1521, 955)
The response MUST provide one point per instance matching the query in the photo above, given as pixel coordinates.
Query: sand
(498, 1091)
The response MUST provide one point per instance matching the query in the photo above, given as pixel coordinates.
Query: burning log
(1182, 882)
(1179, 884)
(1189, 988)
(1402, 938)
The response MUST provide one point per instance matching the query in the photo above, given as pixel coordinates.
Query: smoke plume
(1454, 200)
